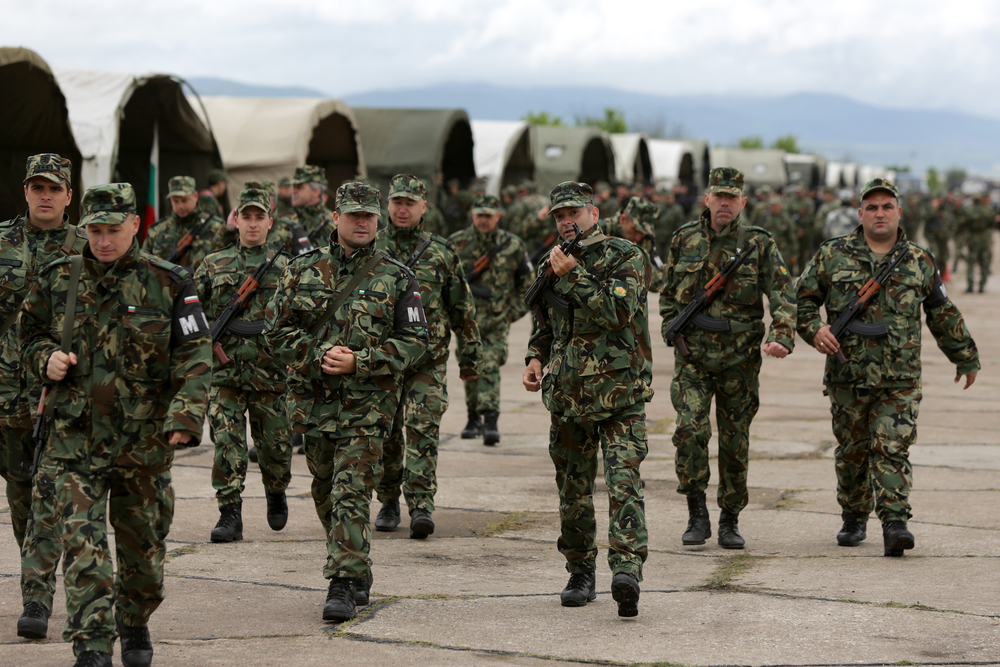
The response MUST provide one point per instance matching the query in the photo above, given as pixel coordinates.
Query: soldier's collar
(31, 229)
(597, 237)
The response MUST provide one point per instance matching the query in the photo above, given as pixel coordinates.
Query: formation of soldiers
(327, 326)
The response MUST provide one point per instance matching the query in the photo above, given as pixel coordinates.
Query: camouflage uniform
(938, 230)
(167, 232)
(143, 370)
(978, 222)
(668, 220)
(599, 374)
(643, 214)
(874, 397)
(253, 382)
(722, 365)
(498, 294)
(316, 220)
(449, 307)
(782, 228)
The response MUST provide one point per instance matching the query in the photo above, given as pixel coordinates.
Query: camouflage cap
(254, 197)
(529, 186)
(879, 184)
(570, 194)
(51, 166)
(358, 197)
(111, 204)
(726, 179)
(643, 213)
(285, 182)
(308, 173)
(407, 185)
(181, 186)
(485, 204)
(216, 176)
(261, 185)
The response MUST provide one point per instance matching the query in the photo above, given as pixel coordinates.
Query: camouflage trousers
(14, 458)
(412, 466)
(483, 394)
(272, 436)
(140, 508)
(42, 546)
(938, 244)
(345, 472)
(573, 448)
(874, 428)
(980, 254)
(736, 393)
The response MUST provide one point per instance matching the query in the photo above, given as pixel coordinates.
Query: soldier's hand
(532, 376)
(543, 212)
(824, 341)
(59, 364)
(969, 379)
(561, 264)
(175, 438)
(776, 350)
(339, 360)
(231, 221)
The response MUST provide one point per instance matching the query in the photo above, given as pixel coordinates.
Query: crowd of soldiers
(327, 326)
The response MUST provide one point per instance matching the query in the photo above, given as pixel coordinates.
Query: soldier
(131, 388)
(600, 369)
(28, 243)
(309, 187)
(938, 231)
(252, 382)
(448, 306)
(978, 221)
(343, 387)
(669, 219)
(636, 224)
(168, 237)
(283, 207)
(875, 395)
(724, 365)
(498, 285)
(210, 199)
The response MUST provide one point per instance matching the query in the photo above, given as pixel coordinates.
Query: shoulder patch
(443, 241)
(9, 223)
(177, 273)
(620, 243)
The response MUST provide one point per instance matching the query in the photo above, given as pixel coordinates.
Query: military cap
(407, 185)
(254, 197)
(111, 204)
(643, 213)
(879, 184)
(602, 186)
(529, 186)
(284, 181)
(51, 166)
(569, 194)
(261, 185)
(485, 204)
(181, 186)
(216, 176)
(308, 173)
(726, 179)
(358, 197)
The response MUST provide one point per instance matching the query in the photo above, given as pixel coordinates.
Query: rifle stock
(236, 304)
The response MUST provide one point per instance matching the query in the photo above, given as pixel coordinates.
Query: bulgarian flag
(152, 198)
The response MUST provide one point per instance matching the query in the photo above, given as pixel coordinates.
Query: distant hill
(210, 86)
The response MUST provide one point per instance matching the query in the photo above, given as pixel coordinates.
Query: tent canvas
(759, 166)
(571, 154)
(632, 159)
(502, 152)
(673, 162)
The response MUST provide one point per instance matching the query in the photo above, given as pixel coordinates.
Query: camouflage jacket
(613, 227)
(445, 294)
(668, 221)
(143, 353)
(838, 271)
(977, 222)
(499, 291)
(599, 356)
(24, 251)
(289, 233)
(315, 220)
(382, 321)
(166, 233)
(217, 279)
(696, 254)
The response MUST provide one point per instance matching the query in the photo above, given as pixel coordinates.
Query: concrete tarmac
(484, 589)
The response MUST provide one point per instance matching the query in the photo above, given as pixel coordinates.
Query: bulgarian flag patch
(131, 309)
(191, 299)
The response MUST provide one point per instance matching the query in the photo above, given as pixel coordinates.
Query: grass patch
(731, 568)
(786, 500)
(512, 521)
(189, 549)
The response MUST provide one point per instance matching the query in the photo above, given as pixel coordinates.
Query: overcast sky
(940, 55)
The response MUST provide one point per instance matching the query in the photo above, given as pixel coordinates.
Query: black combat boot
(854, 531)
(34, 621)
(625, 591)
(137, 649)
(699, 525)
(421, 524)
(581, 589)
(340, 604)
(491, 433)
(230, 526)
(93, 659)
(729, 533)
(474, 429)
(277, 509)
(896, 538)
(363, 589)
(388, 517)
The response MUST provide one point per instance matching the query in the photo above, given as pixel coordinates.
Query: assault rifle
(177, 252)
(477, 270)
(703, 297)
(846, 321)
(542, 287)
(40, 432)
(226, 322)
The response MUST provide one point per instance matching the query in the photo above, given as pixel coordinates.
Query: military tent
(632, 160)
(867, 172)
(805, 170)
(424, 142)
(841, 174)
(113, 115)
(581, 154)
(759, 166)
(502, 153)
(264, 138)
(33, 119)
(673, 162)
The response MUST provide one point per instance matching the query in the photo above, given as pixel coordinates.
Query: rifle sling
(339, 300)
(425, 242)
(69, 319)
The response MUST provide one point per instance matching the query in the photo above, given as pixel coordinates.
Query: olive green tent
(33, 119)
(580, 154)
(759, 166)
(427, 143)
